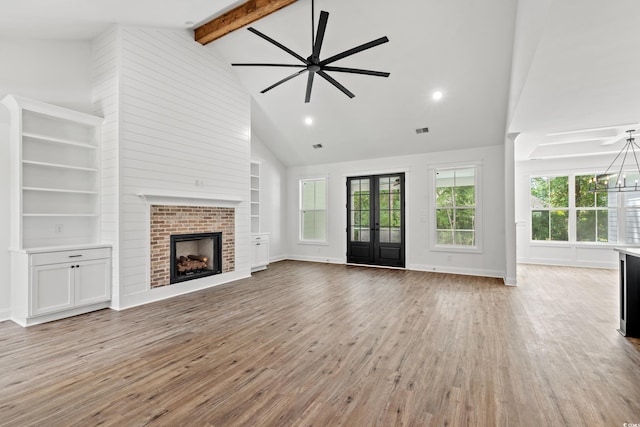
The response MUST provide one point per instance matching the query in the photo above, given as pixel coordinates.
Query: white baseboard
(315, 259)
(278, 258)
(5, 314)
(458, 270)
(568, 263)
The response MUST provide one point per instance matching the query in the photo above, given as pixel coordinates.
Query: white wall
(419, 256)
(182, 117)
(556, 253)
(273, 197)
(58, 72)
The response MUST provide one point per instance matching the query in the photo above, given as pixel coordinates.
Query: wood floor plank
(304, 344)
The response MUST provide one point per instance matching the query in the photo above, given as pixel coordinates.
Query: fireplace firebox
(195, 255)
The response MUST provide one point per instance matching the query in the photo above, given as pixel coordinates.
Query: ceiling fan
(313, 65)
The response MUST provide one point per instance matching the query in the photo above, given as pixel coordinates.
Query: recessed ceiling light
(437, 95)
(308, 121)
(189, 24)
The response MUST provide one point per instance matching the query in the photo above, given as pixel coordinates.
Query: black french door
(375, 220)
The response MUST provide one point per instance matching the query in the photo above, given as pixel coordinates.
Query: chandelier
(617, 182)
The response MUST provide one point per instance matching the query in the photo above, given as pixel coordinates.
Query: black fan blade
(354, 50)
(280, 45)
(307, 97)
(322, 26)
(286, 79)
(357, 71)
(331, 80)
(269, 65)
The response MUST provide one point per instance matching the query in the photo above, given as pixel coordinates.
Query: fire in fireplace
(195, 255)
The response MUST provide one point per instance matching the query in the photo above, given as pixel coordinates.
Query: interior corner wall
(419, 255)
(106, 103)
(57, 72)
(273, 197)
(184, 127)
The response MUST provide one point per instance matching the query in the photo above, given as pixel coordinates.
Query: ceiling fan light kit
(313, 64)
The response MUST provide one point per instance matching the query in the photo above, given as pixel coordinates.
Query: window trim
(302, 241)
(433, 245)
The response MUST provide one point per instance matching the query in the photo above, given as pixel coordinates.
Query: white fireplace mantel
(190, 199)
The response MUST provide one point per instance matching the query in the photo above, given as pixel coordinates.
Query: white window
(313, 210)
(456, 219)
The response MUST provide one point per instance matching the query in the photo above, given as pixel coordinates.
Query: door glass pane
(360, 214)
(385, 235)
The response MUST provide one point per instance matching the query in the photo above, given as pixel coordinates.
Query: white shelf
(59, 166)
(58, 140)
(43, 215)
(58, 190)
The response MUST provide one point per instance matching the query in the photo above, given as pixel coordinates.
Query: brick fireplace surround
(168, 220)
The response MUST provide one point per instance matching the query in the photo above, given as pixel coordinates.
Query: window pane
(464, 238)
(444, 219)
(396, 235)
(384, 235)
(586, 226)
(384, 219)
(395, 203)
(444, 196)
(395, 219)
(584, 199)
(320, 224)
(465, 219)
(602, 199)
(355, 202)
(320, 194)
(559, 225)
(603, 225)
(355, 218)
(308, 225)
(540, 225)
(539, 193)
(364, 219)
(465, 196)
(308, 195)
(444, 237)
(559, 192)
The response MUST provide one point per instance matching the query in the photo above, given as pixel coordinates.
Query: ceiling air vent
(316, 146)
(422, 130)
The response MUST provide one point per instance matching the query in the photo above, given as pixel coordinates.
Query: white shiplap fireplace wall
(177, 121)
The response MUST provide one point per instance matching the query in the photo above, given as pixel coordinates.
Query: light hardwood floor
(323, 345)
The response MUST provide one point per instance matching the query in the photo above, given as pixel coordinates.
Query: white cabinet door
(52, 288)
(92, 281)
(261, 253)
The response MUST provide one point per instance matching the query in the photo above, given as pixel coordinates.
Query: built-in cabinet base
(50, 284)
(259, 251)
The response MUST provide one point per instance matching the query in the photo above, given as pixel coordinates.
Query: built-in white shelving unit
(55, 182)
(58, 266)
(255, 197)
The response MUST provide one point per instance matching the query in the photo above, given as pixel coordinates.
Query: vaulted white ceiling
(581, 69)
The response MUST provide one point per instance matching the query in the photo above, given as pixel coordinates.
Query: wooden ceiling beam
(236, 18)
